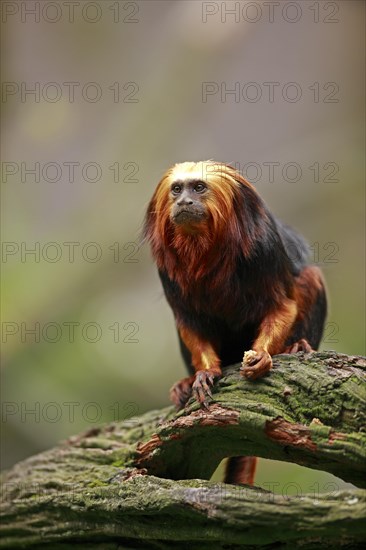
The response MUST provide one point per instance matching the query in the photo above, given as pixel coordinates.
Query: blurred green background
(118, 99)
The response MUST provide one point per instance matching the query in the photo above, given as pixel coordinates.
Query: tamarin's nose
(184, 200)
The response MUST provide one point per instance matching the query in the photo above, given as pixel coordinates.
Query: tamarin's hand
(236, 278)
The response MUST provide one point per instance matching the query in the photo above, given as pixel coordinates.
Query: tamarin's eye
(199, 187)
(176, 189)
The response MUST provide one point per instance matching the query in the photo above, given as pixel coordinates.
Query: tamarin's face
(196, 194)
(196, 197)
(188, 205)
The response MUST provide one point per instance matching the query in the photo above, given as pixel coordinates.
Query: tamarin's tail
(241, 469)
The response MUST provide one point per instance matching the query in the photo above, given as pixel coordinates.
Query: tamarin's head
(196, 196)
(200, 207)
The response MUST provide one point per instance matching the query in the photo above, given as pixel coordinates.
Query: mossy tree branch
(104, 488)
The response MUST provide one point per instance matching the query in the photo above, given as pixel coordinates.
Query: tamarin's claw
(201, 387)
(255, 364)
(301, 345)
(181, 392)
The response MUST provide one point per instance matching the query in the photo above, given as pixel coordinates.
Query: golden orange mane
(220, 235)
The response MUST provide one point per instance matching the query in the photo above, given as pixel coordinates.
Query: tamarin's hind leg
(301, 345)
(311, 302)
(240, 469)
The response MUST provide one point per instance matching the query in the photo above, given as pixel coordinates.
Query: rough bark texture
(104, 488)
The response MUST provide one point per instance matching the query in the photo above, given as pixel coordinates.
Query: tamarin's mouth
(186, 216)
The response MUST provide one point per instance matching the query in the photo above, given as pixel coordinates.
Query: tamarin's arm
(273, 333)
(206, 363)
(204, 356)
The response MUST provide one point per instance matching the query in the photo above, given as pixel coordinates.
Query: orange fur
(307, 287)
(275, 328)
(204, 356)
(241, 469)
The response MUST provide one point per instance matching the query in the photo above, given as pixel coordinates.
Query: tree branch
(104, 487)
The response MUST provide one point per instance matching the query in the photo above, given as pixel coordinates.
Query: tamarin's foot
(301, 345)
(181, 391)
(255, 364)
(201, 388)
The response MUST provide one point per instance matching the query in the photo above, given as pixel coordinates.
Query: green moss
(83, 491)
(97, 483)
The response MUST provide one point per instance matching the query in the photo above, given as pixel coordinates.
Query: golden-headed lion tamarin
(236, 278)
